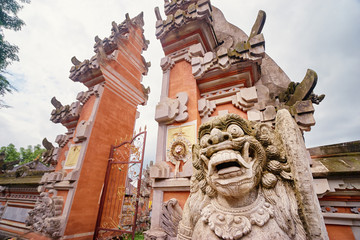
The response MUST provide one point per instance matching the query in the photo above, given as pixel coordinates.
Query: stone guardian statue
(251, 181)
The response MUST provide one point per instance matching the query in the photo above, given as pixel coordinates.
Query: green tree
(30, 154)
(8, 52)
(25, 155)
(11, 153)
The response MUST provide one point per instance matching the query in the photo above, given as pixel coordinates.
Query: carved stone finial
(146, 92)
(47, 145)
(115, 27)
(139, 20)
(303, 90)
(157, 13)
(75, 61)
(127, 20)
(259, 24)
(298, 99)
(57, 104)
(97, 39)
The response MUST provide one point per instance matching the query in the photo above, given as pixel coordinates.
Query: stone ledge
(347, 219)
(172, 184)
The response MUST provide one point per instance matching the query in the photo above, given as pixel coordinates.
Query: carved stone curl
(170, 218)
(243, 187)
(170, 110)
(46, 216)
(50, 156)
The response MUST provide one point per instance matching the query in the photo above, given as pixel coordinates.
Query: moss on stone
(347, 162)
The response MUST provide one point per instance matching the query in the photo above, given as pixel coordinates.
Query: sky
(321, 35)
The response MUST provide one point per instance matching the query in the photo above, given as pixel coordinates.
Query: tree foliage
(25, 155)
(11, 153)
(8, 52)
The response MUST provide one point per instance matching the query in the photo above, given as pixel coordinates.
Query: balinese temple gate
(102, 116)
(212, 69)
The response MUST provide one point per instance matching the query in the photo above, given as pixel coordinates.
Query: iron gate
(120, 196)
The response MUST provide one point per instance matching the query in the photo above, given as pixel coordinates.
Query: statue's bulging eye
(204, 140)
(235, 131)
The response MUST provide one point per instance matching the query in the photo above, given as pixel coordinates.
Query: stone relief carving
(88, 71)
(83, 97)
(167, 63)
(62, 140)
(253, 49)
(170, 218)
(180, 150)
(172, 110)
(206, 107)
(246, 186)
(46, 215)
(183, 15)
(67, 115)
(299, 98)
(82, 131)
(245, 99)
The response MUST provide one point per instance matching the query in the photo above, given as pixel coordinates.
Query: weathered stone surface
(269, 113)
(82, 131)
(62, 140)
(305, 87)
(303, 107)
(155, 234)
(166, 110)
(196, 50)
(206, 107)
(246, 183)
(46, 215)
(297, 157)
(169, 110)
(305, 120)
(170, 218)
(50, 156)
(181, 13)
(249, 94)
(160, 170)
(254, 115)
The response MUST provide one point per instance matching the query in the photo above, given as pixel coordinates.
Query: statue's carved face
(233, 159)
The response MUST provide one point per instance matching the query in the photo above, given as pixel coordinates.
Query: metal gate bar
(118, 178)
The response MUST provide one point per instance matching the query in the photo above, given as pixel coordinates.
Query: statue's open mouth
(229, 169)
(229, 163)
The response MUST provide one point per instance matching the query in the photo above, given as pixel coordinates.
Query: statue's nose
(217, 136)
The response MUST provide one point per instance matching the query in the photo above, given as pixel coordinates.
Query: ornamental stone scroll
(172, 110)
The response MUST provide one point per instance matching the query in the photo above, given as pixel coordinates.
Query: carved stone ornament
(179, 150)
(172, 110)
(170, 217)
(237, 222)
(50, 156)
(46, 216)
(251, 181)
